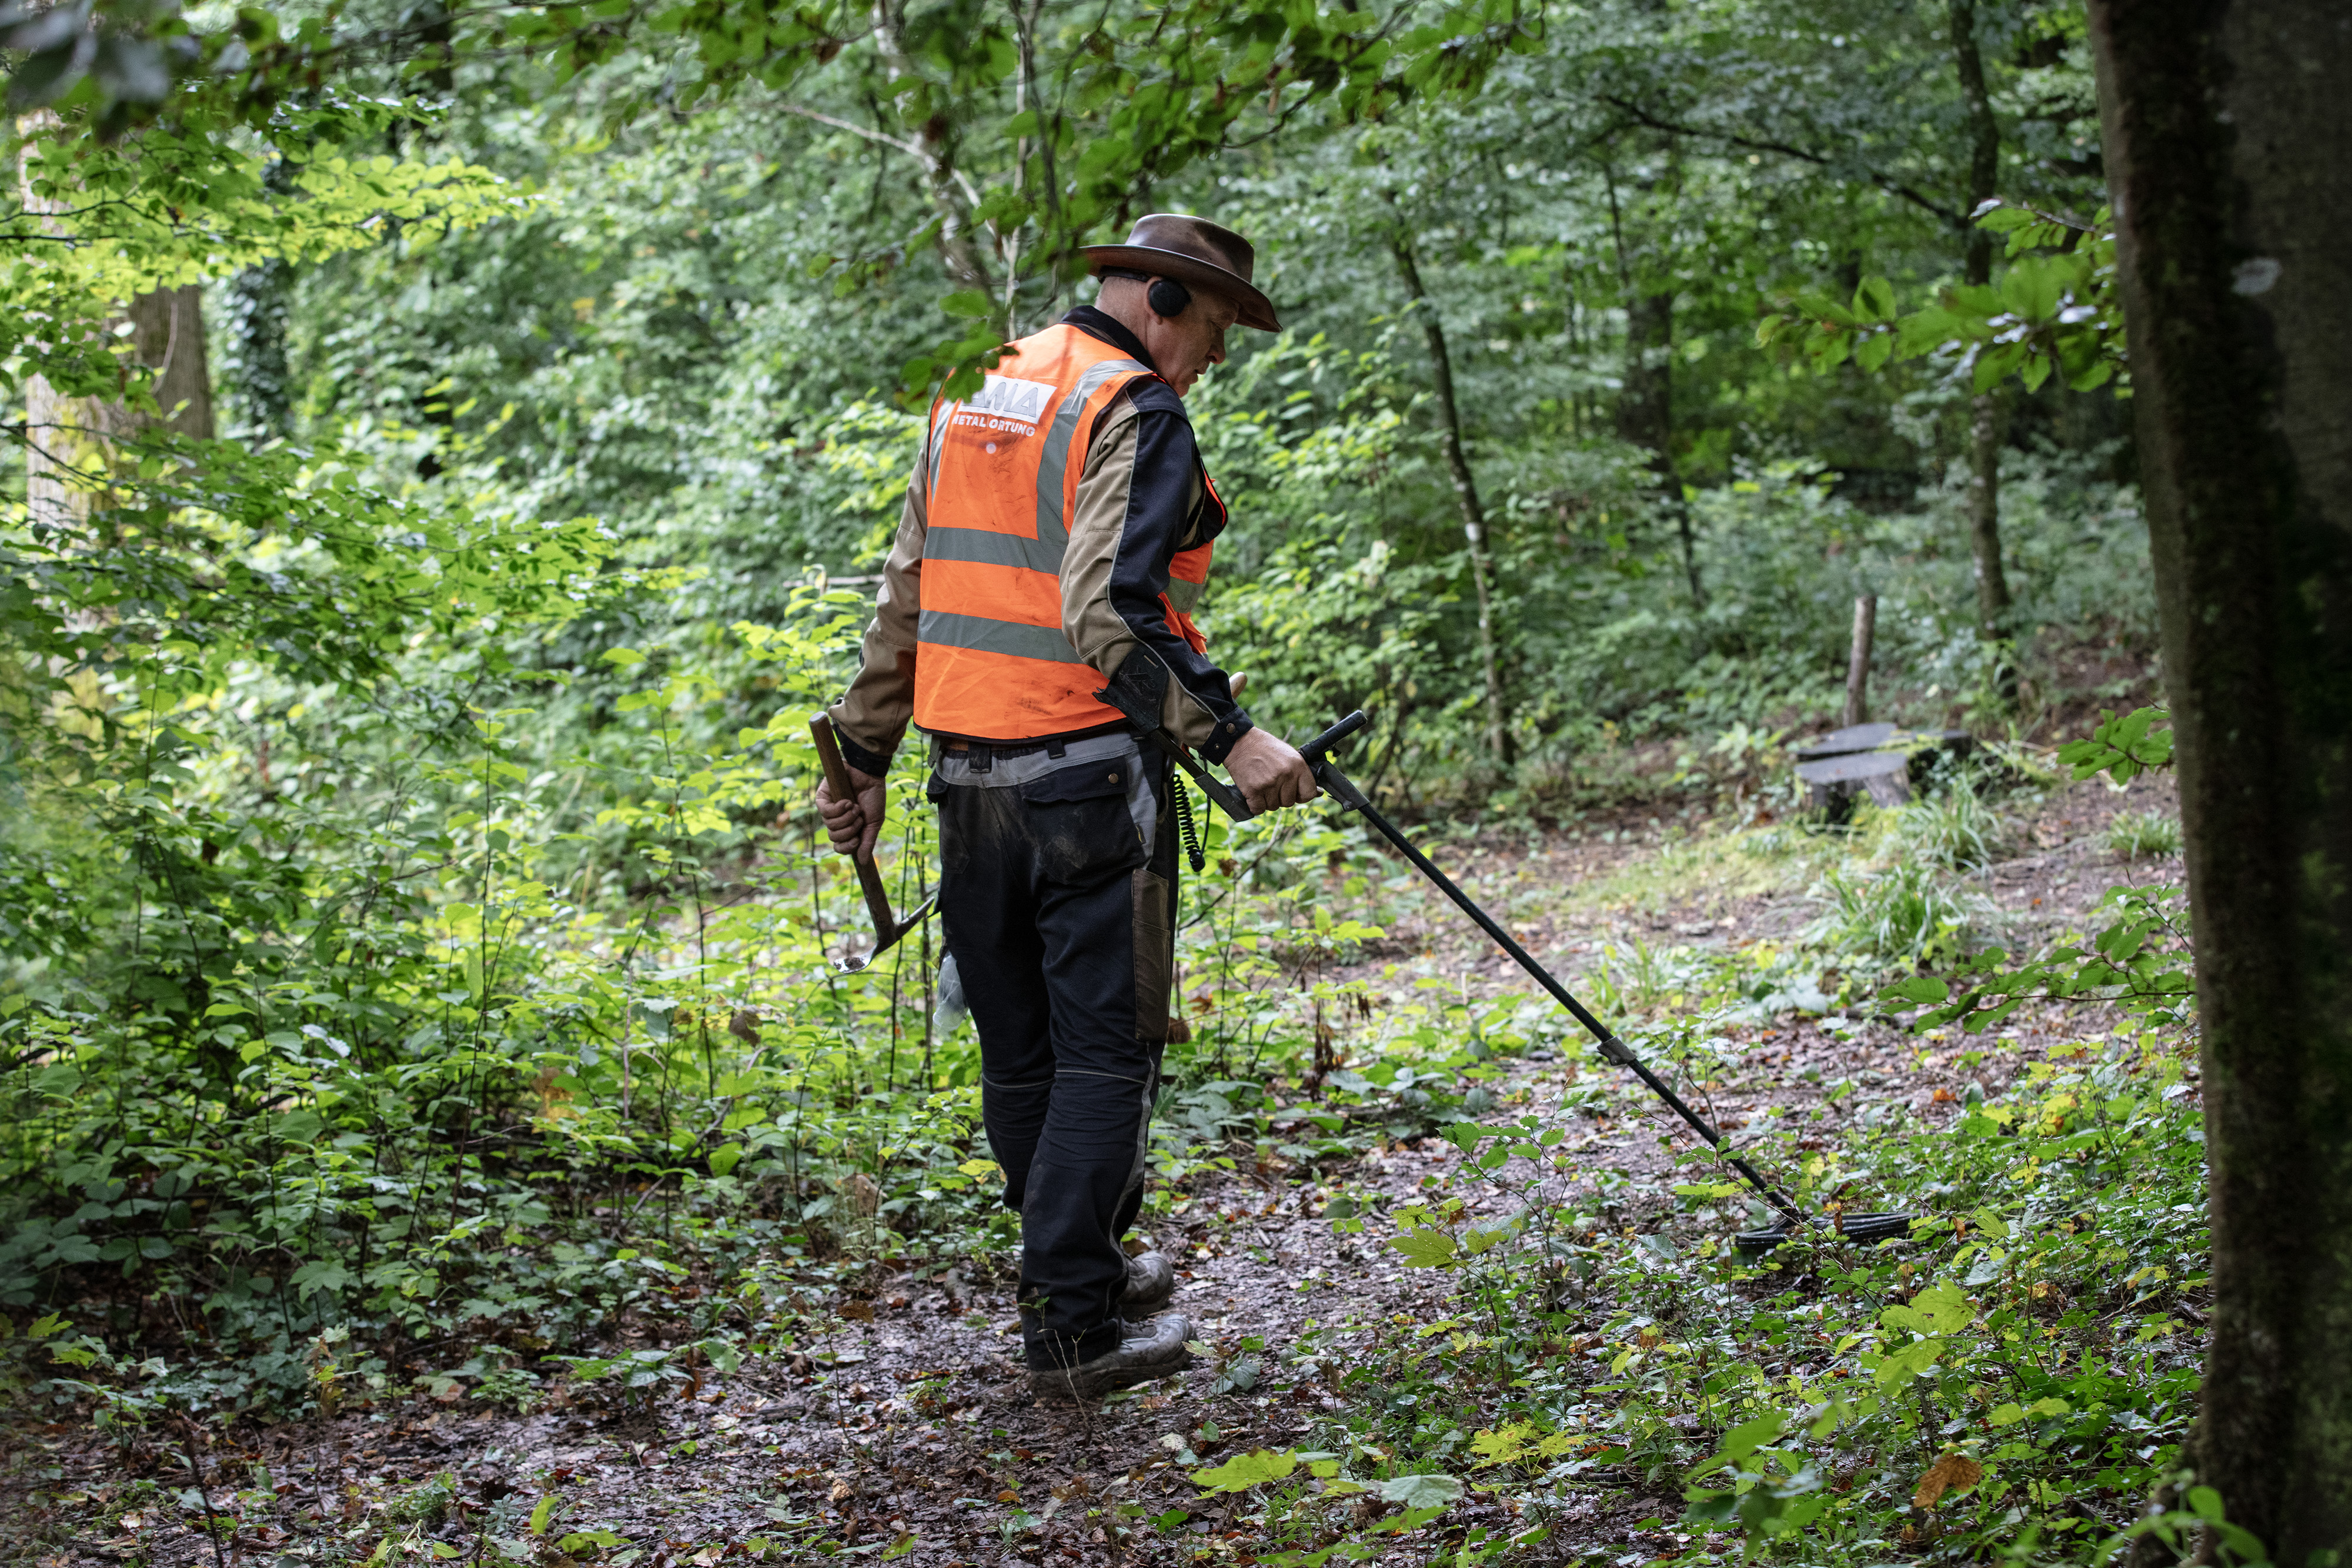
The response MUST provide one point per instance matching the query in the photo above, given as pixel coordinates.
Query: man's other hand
(854, 824)
(1269, 772)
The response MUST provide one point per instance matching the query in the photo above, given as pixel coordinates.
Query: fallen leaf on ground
(1953, 1472)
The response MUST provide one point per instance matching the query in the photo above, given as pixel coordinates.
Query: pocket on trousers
(1079, 820)
(1155, 957)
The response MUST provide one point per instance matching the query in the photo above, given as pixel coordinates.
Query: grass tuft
(2145, 835)
(1954, 829)
(1909, 912)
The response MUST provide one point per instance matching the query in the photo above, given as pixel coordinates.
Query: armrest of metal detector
(1137, 691)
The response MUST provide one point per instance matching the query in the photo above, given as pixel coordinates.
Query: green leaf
(1421, 1491)
(970, 302)
(320, 1274)
(1938, 1309)
(1244, 1472)
(1910, 1361)
(1749, 1436)
(1425, 1249)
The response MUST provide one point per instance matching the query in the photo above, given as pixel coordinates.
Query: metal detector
(1856, 1226)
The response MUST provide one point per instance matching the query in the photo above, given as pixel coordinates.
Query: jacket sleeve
(1140, 499)
(872, 716)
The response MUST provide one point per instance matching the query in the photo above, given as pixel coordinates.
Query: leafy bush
(2021, 1369)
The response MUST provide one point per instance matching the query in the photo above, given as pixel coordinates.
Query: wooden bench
(1876, 759)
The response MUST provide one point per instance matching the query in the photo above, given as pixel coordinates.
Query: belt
(981, 753)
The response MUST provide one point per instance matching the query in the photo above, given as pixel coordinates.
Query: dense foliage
(413, 941)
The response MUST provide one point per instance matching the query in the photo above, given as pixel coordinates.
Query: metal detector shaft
(1228, 799)
(1327, 773)
(1136, 690)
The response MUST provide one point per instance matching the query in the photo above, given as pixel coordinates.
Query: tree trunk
(69, 441)
(1984, 514)
(936, 157)
(1466, 493)
(1857, 662)
(2226, 130)
(1984, 409)
(254, 306)
(1645, 401)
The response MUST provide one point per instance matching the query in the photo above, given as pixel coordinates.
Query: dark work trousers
(1058, 889)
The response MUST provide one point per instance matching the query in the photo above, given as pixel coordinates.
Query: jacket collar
(1108, 328)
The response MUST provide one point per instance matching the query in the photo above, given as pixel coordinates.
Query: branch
(911, 147)
(1886, 183)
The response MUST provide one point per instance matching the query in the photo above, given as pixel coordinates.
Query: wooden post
(1857, 667)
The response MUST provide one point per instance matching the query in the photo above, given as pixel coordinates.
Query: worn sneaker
(1150, 1280)
(1149, 1351)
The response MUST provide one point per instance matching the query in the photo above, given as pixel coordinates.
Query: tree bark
(936, 157)
(1466, 493)
(1984, 514)
(1858, 663)
(2226, 130)
(254, 305)
(1984, 408)
(1645, 400)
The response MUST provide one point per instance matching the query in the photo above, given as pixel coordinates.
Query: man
(1058, 529)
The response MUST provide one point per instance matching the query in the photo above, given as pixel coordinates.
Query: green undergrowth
(502, 1096)
(495, 1140)
(2012, 1381)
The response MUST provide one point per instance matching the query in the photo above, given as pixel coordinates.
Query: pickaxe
(887, 929)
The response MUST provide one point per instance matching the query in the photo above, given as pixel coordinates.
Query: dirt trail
(918, 1425)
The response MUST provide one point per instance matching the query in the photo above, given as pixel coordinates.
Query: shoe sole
(1065, 1387)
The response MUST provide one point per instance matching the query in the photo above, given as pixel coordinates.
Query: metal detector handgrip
(1343, 788)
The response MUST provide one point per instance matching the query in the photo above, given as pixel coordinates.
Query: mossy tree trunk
(2229, 146)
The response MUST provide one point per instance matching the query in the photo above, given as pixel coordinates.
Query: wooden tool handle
(836, 779)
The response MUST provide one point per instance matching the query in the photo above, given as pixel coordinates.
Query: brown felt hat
(1196, 252)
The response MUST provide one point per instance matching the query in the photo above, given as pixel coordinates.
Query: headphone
(1168, 298)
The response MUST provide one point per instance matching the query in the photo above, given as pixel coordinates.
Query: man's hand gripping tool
(887, 930)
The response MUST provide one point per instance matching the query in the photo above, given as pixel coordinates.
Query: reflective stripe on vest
(992, 661)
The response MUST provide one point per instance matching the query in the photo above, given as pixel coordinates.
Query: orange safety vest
(991, 659)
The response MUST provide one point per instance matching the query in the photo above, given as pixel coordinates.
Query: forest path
(913, 1437)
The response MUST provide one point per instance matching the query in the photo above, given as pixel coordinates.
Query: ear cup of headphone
(1168, 298)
